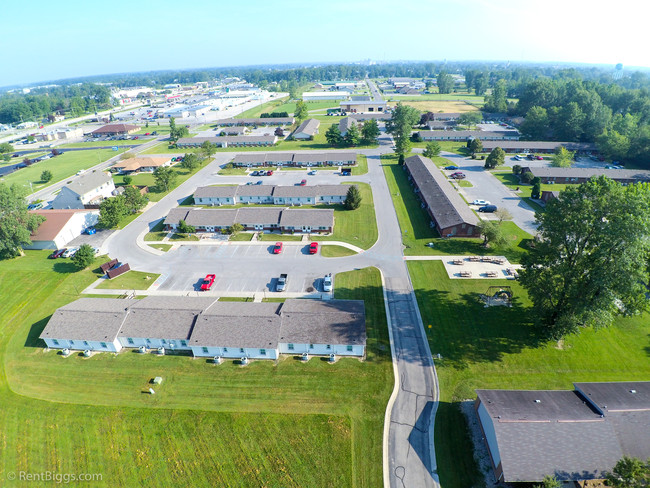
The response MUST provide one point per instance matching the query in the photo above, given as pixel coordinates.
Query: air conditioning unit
(216, 360)
(305, 356)
(161, 351)
(243, 361)
(66, 352)
(332, 358)
(87, 353)
(142, 349)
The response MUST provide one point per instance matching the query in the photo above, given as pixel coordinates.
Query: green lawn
(333, 251)
(279, 237)
(161, 247)
(512, 181)
(106, 143)
(147, 179)
(416, 232)
(285, 423)
(131, 280)
(448, 146)
(265, 107)
(62, 167)
(183, 237)
(156, 233)
(499, 348)
(464, 184)
(241, 237)
(229, 169)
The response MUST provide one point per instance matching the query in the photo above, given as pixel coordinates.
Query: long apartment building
(253, 159)
(270, 194)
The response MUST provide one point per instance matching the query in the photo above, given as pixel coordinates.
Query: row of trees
(367, 135)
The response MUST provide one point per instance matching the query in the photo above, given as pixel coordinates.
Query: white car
(518, 158)
(327, 282)
(70, 252)
(480, 202)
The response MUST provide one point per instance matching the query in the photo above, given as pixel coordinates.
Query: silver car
(327, 282)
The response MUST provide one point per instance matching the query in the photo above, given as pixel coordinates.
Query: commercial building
(111, 130)
(363, 106)
(449, 213)
(210, 328)
(572, 435)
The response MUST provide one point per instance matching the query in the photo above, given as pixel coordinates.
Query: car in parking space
(255, 173)
(457, 176)
(303, 182)
(70, 252)
(480, 202)
(277, 249)
(451, 168)
(327, 282)
(518, 158)
(34, 206)
(249, 183)
(259, 182)
(57, 254)
(488, 209)
(539, 158)
(313, 248)
(269, 172)
(312, 172)
(207, 283)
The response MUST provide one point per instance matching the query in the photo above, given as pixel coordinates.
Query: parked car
(255, 173)
(480, 202)
(452, 167)
(488, 209)
(327, 282)
(277, 249)
(259, 182)
(269, 172)
(147, 133)
(518, 158)
(70, 252)
(56, 254)
(249, 183)
(281, 285)
(313, 248)
(303, 182)
(207, 283)
(539, 158)
(34, 206)
(457, 175)
(90, 231)
(530, 157)
(312, 172)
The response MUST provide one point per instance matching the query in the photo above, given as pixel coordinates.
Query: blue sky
(46, 40)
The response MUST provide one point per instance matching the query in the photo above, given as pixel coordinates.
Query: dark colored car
(90, 231)
(488, 209)
(452, 167)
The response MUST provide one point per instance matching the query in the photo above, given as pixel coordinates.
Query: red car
(457, 175)
(147, 133)
(539, 158)
(303, 182)
(269, 173)
(277, 249)
(208, 281)
(57, 254)
(313, 248)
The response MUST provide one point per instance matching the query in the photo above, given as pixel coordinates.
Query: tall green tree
(569, 122)
(5, 147)
(164, 177)
(301, 112)
(370, 132)
(563, 158)
(333, 136)
(470, 118)
(550, 482)
(497, 101)
(190, 161)
(353, 198)
(84, 256)
(402, 120)
(476, 146)
(590, 261)
(111, 211)
(492, 233)
(445, 82)
(497, 157)
(432, 150)
(208, 149)
(133, 199)
(16, 223)
(536, 124)
(614, 145)
(352, 136)
(46, 176)
(629, 473)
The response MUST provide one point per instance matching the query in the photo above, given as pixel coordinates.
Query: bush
(516, 169)
(127, 180)
(482, 157)
(83, 257)
(526, 177)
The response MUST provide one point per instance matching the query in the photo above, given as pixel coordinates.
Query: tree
(492, 233)
(164, 177)
(402, 145)
(352, 136)
(502, 214)
(589, 263)
(445, 82)
(476, 146)
(516, 169)
(46, 176)
(279, 132)
(127, 179)
(536, 191)
(403, 115)
(496, 101)
(5, 147)
(550, 482)
(370, 132)
(333, 135)
(613, 145)
(301, 112)
(111, 211)
(629, 473)
(235, 228)
(190, 162)
(84, 256)
(497, 157)
(562, 158)
(208, 149)
(352, 199)
(431, 150)
(536, 124)
(569, 122)
(185, 228)
(470, 118)
(175, 132)
(16, 223)
(133, 199)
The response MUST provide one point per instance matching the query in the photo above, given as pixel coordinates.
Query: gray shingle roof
(272, 158)
(216, 191)
(255, 190)
(539, 145)
(208, 217)
(480, 134)
(177, 214)
(258, 215)
(307, 217)
(227, 139)
(250, 157)
(309, 126)
(88, 182)
(165, 323)
(550, 172)
(345, 123)
(618, 396)
(446, 205)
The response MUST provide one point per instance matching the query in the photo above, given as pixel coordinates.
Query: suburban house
(363, 106)
(465, 135)
(551, 175)
(210, 328)
(88, 189)
(333, 158)
(270, 194)
(448, 211)
(60, 227)
(141, 164)
(262, 219)
(307, 130)
(572, 435)
(345, 123)
(258, 121)
(228, 141)
(547, 147)
(111, 130)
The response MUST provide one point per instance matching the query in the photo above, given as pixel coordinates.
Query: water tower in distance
(618, 71)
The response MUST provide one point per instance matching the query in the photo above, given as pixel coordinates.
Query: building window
(241, 350)
(130, 341)
(262, 352)
(85, 343)
(328, 347)
(184, 343)
(311, 346)
(148, 341)
(290, 347)
(103, 345)
(205, 350)
(225, 350)
(349, 348)
(55, 342)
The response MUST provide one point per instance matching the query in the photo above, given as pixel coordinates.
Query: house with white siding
(307, 130)
(60, 227)
(271, 194)
(216, 195)
(88, 189)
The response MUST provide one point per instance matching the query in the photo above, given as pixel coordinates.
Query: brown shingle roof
(55, 220)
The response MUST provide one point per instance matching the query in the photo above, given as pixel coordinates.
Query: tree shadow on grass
(64, 267)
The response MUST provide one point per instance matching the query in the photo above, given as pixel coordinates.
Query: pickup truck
(282, 282)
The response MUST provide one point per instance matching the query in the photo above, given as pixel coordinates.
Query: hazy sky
(46, 40)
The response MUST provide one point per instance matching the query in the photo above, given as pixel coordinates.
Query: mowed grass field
(417, 233)
(498, 347)
(284, 424)
(62, 167)
(452, 106)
